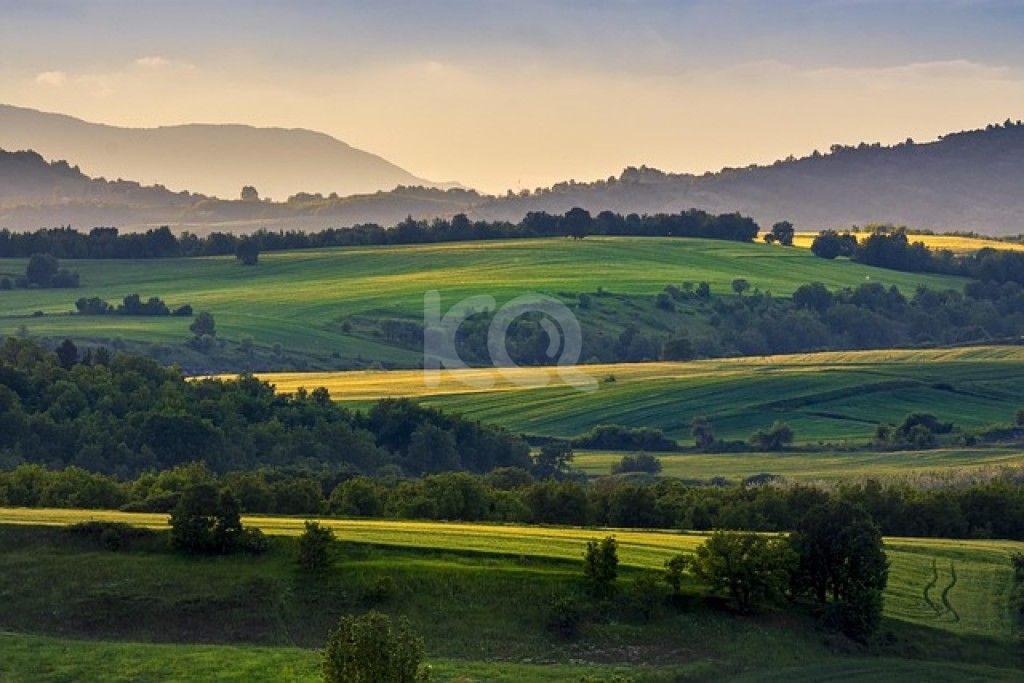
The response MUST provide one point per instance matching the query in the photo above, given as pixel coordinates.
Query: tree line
(949, 508)
(110, 243)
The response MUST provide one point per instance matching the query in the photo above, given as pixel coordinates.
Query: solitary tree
(841, 559)
(784, 232)
(204, 325)
(315, 547)
(553, 460)
(601, 565)
(703, 435)
(248, 252)
(373, 649)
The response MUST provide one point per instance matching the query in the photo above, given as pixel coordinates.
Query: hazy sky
(524, 93)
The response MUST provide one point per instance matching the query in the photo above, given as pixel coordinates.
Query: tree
(783, 232)
(739, 285)
(601, 565)
(553, 460)
(248, 252)
(841, 558)
(67, 354)
(675, 568)
(774, 438)
(204, 325)
(315, 547)
(207, 521)
(249, 194)
(750, 568)
(577, 223)
(373, 649)
(703, 435)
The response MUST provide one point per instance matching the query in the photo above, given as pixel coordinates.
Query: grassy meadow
(477, 593)
(302, 299)
(828, 466)
(955, 243)
(831, 397)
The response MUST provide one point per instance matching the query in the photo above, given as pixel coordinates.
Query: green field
(814, 465)
(301, 299)
(828, 397)
(476, 592)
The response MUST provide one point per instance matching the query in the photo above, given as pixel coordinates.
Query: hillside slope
(213, 159)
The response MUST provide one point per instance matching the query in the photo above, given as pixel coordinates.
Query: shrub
(373, 649)
(641, 462)
(315, 547)
(675, 568)
(565, 617)
(645, 595)
(601, 565)
(384, 589)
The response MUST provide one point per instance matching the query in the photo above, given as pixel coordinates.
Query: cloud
(52, 78)
(152, 62)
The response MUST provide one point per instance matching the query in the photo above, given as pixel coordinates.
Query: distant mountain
(965, 181)
(214, 159)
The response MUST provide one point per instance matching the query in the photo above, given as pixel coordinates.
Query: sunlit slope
(301, 299)
(823, 396)
(959, 586)
(954, 243)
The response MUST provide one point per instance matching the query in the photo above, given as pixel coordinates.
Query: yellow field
(377, 384)
(953, 243)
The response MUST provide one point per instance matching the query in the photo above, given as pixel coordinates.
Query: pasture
(828, 397)
(827, 466)
(959, 586)
(302, 300)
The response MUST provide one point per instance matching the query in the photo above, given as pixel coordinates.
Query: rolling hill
(329, 304)
(211, 159)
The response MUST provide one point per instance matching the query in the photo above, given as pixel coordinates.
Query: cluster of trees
(891, 248)
(103, 243)
(125, 414)
(42, 272)
(131, 305)
(834, 558)
(866, 317)
(990, 508)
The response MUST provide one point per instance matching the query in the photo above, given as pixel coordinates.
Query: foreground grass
(301, 299)
(976, 572)
(814, 465)
(823, 396)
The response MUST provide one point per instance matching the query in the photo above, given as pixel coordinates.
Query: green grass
(979, 594)
(829, 397)
(813, 465)
(301, 298)
(477, 593)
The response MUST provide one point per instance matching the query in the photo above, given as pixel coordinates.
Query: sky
(525, 93)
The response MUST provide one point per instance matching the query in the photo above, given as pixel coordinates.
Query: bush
(373, 649)
(675, 568)
(314, 553)
(384, 589)
(565, 617)
(601, 565)
(750, 568)
(111, 536)
(641, 462)
(644, 596)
